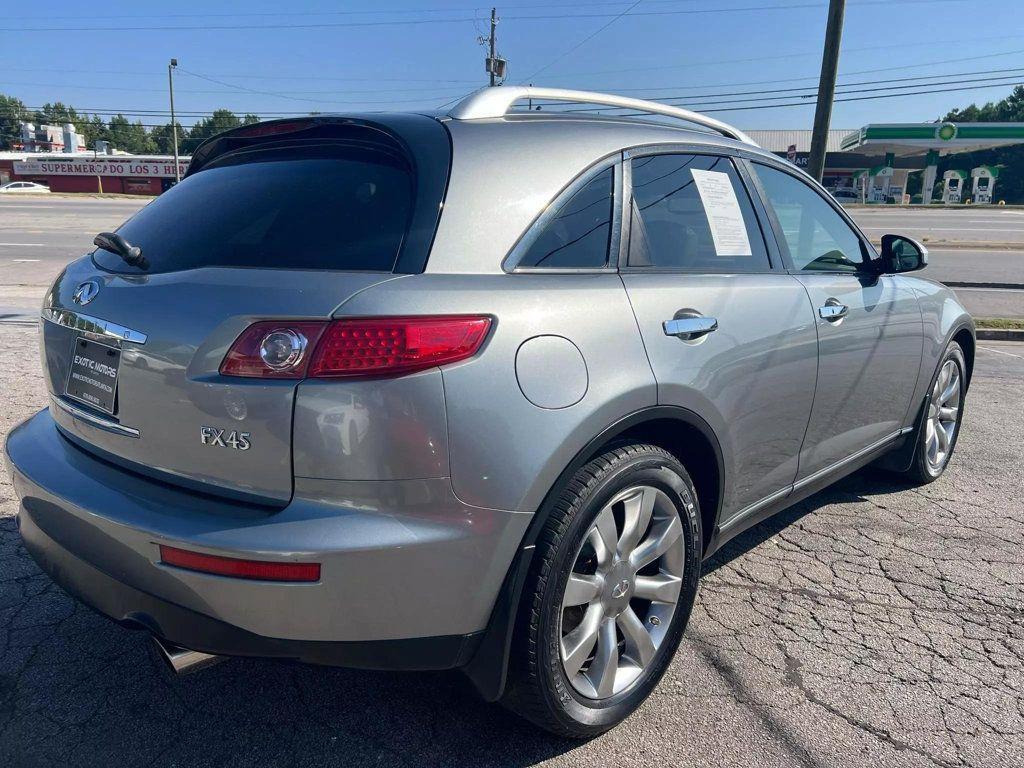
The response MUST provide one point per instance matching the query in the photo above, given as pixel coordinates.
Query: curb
(999, 334)
(996, 286)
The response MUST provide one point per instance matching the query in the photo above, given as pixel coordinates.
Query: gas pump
(881, 177)
(953, 186)
(984, 183)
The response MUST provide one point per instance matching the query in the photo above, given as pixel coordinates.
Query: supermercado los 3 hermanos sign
(105, 167)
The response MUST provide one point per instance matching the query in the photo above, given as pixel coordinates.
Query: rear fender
(488, 668)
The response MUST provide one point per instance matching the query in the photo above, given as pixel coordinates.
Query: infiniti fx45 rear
(473, 391)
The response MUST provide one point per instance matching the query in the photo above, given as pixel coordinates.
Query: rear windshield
(335, 207)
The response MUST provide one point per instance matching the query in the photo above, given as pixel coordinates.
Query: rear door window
(334, 207)
(692, 213)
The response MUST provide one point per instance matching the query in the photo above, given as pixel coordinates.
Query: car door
(728, 336)
(869, 324)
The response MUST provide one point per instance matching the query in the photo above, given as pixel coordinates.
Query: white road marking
(26, 245)
(24, 261)
(1000, 352)
(991, 230)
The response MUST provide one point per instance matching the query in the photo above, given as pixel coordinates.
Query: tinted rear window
(333, 207)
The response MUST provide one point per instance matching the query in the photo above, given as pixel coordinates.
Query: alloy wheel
(943, 416)
(622, 592)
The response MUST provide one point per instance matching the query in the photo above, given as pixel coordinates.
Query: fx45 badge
(224, 439)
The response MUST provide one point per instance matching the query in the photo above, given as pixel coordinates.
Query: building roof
(781, 140)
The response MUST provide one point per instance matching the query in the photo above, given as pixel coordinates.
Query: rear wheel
(609, 592)
(940, 429)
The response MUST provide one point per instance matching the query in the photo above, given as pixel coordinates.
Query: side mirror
(902, 254)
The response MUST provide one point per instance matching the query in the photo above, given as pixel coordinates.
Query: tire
(924, 468)
(629, 607)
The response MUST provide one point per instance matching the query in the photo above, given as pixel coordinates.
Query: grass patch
(1001, 323)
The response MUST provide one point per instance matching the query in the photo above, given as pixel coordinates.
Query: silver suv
(478, 390)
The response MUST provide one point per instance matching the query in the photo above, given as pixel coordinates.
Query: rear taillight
(385, 346)
(272, 350)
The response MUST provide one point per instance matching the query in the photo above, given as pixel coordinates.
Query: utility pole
(174, 125)
(491, 61)
(826, 88)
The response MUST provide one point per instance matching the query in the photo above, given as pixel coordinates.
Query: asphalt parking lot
(870, 625)
(873, 624)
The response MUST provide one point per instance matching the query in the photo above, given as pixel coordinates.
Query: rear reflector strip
(262, 570)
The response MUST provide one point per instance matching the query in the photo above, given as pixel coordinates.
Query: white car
(24, 187)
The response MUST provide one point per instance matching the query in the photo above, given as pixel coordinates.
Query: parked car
(23, 188)
(845, 195)
(572, 356)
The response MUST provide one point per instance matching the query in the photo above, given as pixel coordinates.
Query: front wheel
(940, 429)
(609, 592)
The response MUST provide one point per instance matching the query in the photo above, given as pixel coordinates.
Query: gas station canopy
(933, 140)
(906, 139)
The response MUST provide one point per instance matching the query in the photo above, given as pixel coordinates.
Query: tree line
(122, 133)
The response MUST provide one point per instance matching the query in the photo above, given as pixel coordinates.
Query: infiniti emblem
(620, 589)
(86, 292)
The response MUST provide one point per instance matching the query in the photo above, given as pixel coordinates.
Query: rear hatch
(271, 226)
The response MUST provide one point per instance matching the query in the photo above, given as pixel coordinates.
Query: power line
(808, 92)
(852, 98)
(458, 20)
(890, 46)
(1011, 75)
(715, 107)
(401, 11)
(582, 42)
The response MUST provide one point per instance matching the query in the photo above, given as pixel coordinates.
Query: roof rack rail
(496, 102)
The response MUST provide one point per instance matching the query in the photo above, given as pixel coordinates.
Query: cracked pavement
(869, 625)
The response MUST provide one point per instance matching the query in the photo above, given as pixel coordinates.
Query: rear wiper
(113, 242)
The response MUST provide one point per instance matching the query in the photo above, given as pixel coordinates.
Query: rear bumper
(409, 574)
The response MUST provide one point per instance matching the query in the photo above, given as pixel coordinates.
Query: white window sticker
(725, 218)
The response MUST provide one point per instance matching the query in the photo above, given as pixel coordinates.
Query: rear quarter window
(332, 207)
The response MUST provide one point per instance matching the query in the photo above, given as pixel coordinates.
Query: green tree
(131, 137)
(221, 120)
(163, 139)
(12, 113)
(59, 113)
(93, 130)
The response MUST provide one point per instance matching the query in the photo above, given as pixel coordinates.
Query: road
(972, 225)
(873, 624)
(39, 236)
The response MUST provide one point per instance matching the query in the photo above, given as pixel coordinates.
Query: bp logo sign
(946, 132)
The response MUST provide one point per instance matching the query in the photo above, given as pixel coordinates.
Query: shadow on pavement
(853, 488)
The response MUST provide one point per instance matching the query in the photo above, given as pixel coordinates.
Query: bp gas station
(900, 149)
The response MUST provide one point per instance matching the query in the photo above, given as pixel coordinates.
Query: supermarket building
(93, 172)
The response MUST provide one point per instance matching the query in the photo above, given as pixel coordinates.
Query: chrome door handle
(832, 311)
(689, 328)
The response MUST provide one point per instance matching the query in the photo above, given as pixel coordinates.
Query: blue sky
(402, 55)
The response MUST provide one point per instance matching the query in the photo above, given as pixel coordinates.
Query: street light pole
(174, 125)
(826, 88)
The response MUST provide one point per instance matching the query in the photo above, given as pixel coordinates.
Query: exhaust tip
(184, 661)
